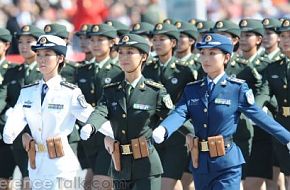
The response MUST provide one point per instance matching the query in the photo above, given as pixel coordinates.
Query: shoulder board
(29, 85)
(111, 84)
(69, 85)
(264, 59)
(195, 82)
(152, 61)
(236, 80)
(240, 60)
(179, 62)
(154, 84)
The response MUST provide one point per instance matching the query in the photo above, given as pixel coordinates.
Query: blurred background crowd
(73, 13)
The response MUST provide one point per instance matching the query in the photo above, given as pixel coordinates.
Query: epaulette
(69, 85)
(195, 82)
(29, 85)
(236, 80)
(152, 61)
(279, 57)
(240, 60)
(111, 84)
(154, 84)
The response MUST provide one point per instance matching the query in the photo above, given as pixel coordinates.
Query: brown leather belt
(126, 149)
(204, 146)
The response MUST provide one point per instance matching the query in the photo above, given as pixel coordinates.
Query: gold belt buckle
(126, 149)
(204, 146)
(286, 111)
(41, 147)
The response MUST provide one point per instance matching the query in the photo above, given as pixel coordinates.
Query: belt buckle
(204, 146)
(41, 147)
(286, 111)
(126, 149)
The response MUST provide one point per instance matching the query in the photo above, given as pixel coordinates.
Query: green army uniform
(122, 29)
(91, 80)
(16, 77)
(132, 115)
(68, 72)
(260, 141)
(7, 163)
(277, 83)
(192, 59)
(174, 76)
(84, 162)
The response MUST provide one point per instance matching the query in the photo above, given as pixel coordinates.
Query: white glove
(7, 139)
(288, 146)
(159, 134)
(86, 132)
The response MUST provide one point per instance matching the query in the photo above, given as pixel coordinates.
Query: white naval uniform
(56, 116)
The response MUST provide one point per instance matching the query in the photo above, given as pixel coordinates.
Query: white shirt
(56, 117)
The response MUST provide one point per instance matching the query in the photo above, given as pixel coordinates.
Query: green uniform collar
(273, 54)
(32, 65)
(2, 61)
(135, 82)
(166, 63)
(186, 58)
(102, 63)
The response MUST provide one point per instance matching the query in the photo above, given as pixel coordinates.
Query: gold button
(124, 115)
(39, 129)
(92, 91)
(284, 86)
(205, 125)
(205, 110)
(93, 104)
(124, 132)
(285, 100)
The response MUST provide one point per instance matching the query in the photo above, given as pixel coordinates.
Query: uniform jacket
(218, 114)
(149, 101)
(62, 105)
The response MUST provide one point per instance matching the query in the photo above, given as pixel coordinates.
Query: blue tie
(210, 87)
(43, 92)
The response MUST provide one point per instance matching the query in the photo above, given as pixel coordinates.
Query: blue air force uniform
(218, 115)
(217, 112)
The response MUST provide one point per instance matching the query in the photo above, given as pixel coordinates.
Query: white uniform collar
(53, 82)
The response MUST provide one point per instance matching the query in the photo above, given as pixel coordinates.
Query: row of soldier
(173, 62)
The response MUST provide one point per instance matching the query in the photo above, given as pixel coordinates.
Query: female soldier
(214, 104)
(132, 107)
(50, 108)
(277, 83)
(91, 78)
(174, 75)
(18, 76)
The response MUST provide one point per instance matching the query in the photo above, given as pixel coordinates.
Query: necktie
(129, 89)
(43, 92)
(210, 87)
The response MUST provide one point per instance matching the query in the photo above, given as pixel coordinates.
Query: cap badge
(159, 26)
(286, 23)
(192, 21)
(208, 38)
(96, 28)
(266, 22)
(109, 23)
(244, 23)
(85, 27)
(47, 28)
(199, 25)
(25, 29)
(178, 24)
(136, 26)
(220, 24)
(125, 39)
(43, 40)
